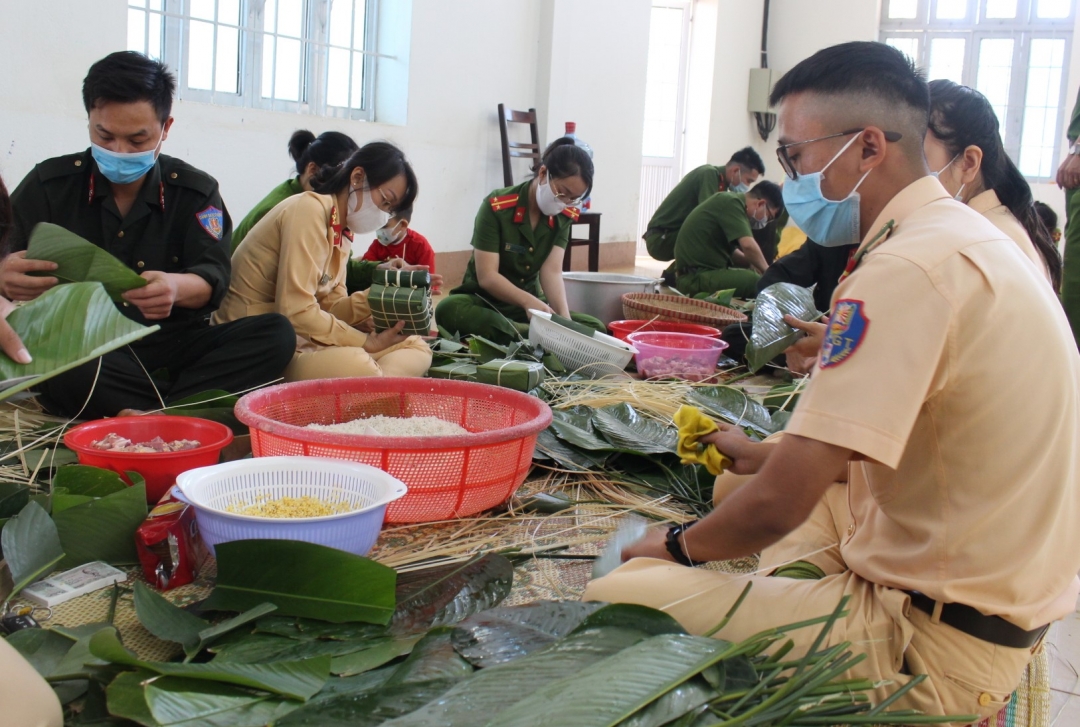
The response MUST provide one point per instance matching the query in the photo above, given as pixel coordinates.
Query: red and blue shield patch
(844, 333)
(212, 220)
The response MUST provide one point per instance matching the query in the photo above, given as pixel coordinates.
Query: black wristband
(675, 549)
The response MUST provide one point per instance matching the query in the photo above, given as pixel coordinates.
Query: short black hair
(128, 77)
(564, 158)
(859, 67)
(1047, 215)
(329, 147)
(381, 162)
(770, 192)
(747, 157)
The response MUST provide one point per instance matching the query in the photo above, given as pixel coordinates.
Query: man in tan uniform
(955, 535)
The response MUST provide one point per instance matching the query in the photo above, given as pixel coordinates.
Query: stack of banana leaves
(306, 635)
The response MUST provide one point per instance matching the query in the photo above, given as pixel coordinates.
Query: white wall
(465, 58)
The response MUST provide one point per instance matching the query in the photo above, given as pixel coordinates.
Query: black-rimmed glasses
(789, 167)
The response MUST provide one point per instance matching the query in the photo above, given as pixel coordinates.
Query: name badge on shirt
(844, 333)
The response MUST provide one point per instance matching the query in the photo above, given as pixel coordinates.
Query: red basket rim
(539, 421)
(224, 435)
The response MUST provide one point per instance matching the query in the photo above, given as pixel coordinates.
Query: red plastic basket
(159, 469)
(447, 477)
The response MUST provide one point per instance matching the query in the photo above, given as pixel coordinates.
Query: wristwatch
(675, 548)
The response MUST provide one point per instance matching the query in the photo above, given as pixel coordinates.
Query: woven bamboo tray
(649, 306)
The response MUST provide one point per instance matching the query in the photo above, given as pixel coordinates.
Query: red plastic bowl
(622, 329)
(159, 469)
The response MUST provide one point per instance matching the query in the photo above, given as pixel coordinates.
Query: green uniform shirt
(279, 193)
(502, 226)
(1074, 121)
(692, 190)
(711, 233)
(177, 224)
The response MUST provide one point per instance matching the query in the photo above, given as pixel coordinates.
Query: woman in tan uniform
(294, 261)
(964, 147)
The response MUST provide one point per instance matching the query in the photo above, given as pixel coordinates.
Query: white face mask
(364, 215)
(388, 236)
(546, 200)
(959, 193)
(759, 223)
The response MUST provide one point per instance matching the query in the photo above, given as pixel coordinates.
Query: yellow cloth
(694, 425)
(791, 239)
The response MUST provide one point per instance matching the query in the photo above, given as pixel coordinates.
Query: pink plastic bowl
(676, 355)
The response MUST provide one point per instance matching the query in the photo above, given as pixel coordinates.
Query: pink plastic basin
(676, 355)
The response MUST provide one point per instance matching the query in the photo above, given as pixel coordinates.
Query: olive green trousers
(471, 315)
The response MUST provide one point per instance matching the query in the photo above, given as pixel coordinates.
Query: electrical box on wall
(760, 87)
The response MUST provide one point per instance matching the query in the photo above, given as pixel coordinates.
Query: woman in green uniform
(310, 153)
(519, 240)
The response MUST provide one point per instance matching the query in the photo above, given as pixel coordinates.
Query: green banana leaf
(630, 616)
(683, 699)
(64, 328)
(490, 691)
(369, 708)
(381, 651)
(770, 335)
(625, 428)
(83, 480)
(551, 447)
(250, 648)
(617, 687)
(126, 698)
(103, 528)
(575, 426)
(780, 420)
(302, 579)
(79, 662)
(307, 628)
(80, 261)
(43, 648)
(503, 634)
(445, 595)
(171, 623)
(295, 679)
(31, 546)
(486, 350)
(732, 405)
(188, 702)
(433, 657)
(14, 496)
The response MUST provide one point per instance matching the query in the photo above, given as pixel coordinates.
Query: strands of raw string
(226, 395)
(149, 378)
(798, 386)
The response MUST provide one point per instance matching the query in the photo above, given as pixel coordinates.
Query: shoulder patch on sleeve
(844, 332)
(212, 220)
(504, 202)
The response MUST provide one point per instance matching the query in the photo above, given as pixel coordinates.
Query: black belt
(993, 629)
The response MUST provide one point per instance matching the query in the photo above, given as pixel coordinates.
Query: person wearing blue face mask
(911, 480)
(164, 219)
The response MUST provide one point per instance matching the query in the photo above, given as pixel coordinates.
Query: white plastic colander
(212, 490)
(596, 356)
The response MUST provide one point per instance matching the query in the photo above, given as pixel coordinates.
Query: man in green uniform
(736, 176)
(163, 218)
(503, 227)
(1068, 178)
(716, 243)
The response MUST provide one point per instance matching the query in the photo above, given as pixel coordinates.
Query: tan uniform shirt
(293, 262)
(970, 491)
(989, 206)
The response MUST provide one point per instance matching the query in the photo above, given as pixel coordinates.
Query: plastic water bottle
(571, 132)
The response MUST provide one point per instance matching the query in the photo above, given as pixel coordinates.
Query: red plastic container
(159, 469)
(622, 329)
(676, 355)
(447, 477)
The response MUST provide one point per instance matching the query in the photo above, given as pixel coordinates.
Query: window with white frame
(307, 56)
(1014, 51)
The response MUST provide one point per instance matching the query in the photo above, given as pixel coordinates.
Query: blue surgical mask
(829, 223)
(121, 167)
(740, 188)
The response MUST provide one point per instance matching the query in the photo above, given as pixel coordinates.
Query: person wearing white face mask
(519, 240)
(294, 260)
(397, 240)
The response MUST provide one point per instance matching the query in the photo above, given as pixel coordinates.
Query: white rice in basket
(395, 427)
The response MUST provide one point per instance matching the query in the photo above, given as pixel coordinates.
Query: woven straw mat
(649, 306)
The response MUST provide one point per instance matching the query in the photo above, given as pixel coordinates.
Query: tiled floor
(1064, 649)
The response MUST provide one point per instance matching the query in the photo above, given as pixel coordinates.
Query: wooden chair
(532, 150)
(518, 149)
